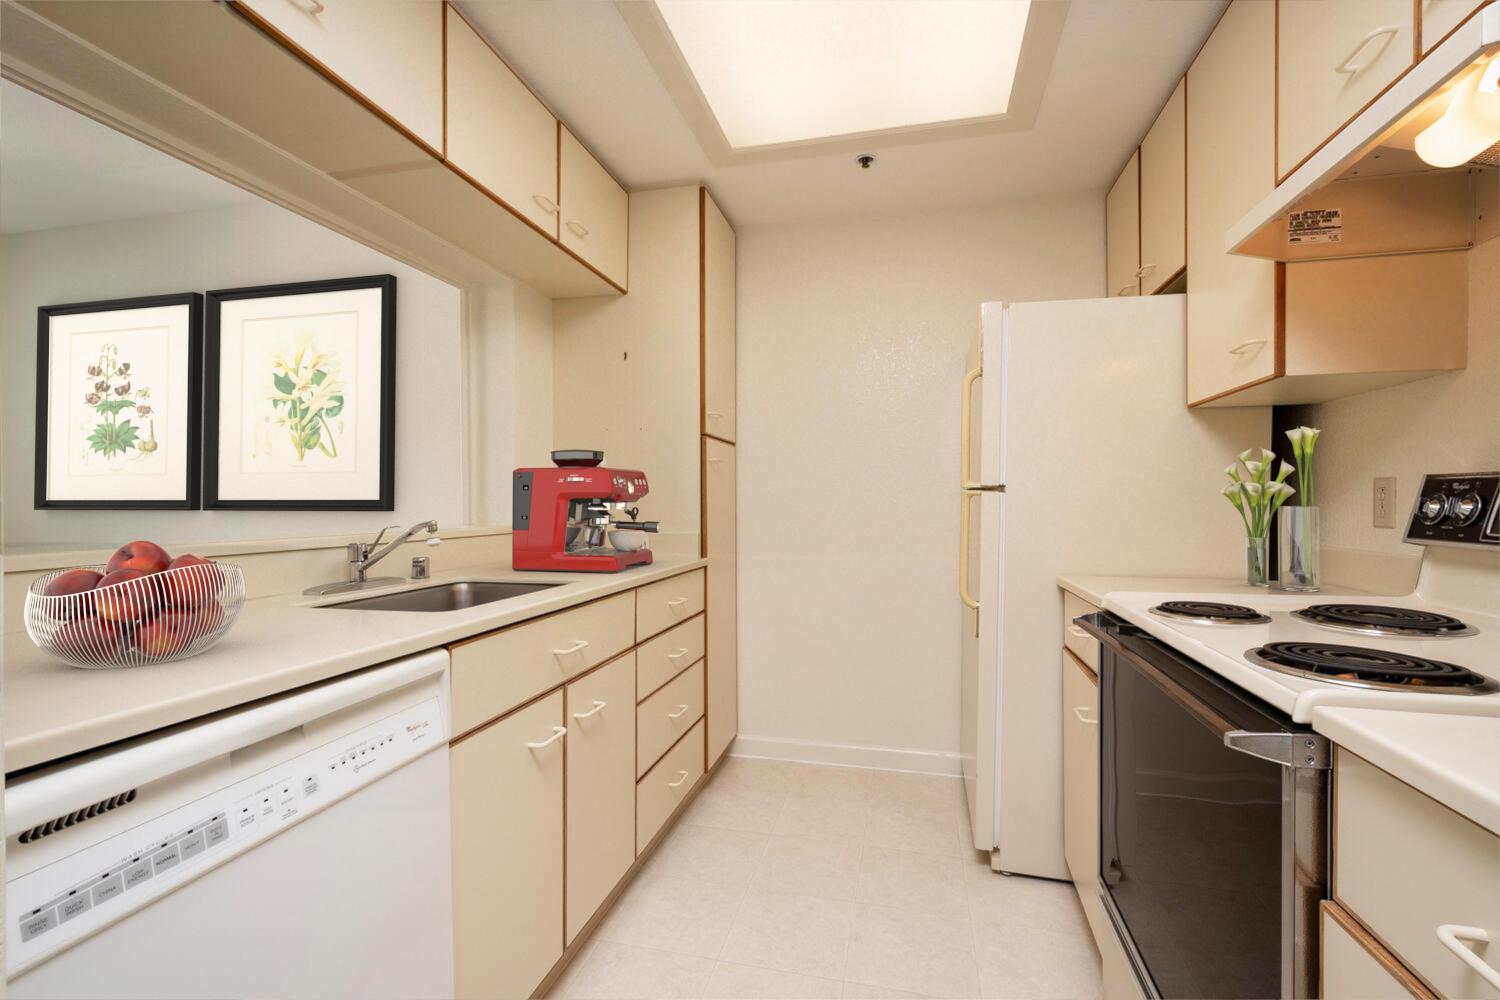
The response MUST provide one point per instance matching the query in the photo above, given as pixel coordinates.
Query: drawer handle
(678, 654)
(577, 647)
(1078, 633)
(1082, 711)
(313, 7)
(598, 707)
(1128, 290)
(1453, 937)
(681, 777)
(1144, 270)
(681, 711)
(578, 228)
(679, 602)
(547, 204)
(715, 414)
(1244, 346)
(1349, 66)
(558, 732)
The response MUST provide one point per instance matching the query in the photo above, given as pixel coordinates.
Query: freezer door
(981, 513)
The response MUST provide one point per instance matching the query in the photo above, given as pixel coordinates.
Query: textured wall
(852, 344)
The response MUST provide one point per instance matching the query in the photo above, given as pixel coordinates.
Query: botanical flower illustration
(308, 396)
(109, 393)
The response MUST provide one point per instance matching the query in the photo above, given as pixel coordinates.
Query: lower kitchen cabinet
(1080, 693)
(601, 786)
(667, 785)
(720, 545)
(507, 788)
(1356, 966)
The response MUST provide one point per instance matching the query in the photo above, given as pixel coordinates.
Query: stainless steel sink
(453, 596)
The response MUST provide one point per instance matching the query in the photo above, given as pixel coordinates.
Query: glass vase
(1298, 544)
(1257, 568)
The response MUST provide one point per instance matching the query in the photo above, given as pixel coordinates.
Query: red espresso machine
(563, 518)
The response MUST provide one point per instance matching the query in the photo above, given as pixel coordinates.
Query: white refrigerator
(1080, 456)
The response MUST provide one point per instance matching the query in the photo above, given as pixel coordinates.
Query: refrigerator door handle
(963, 548)
(966, 408)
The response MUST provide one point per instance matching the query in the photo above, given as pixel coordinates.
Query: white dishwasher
(297, 847)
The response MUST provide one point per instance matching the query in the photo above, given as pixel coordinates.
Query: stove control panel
(1457, 510)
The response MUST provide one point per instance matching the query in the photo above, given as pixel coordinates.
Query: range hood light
(1469, 126)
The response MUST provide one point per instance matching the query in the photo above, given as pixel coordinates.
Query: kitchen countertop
(52, 710)
(1093, 588)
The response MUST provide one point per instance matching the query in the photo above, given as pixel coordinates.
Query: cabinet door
(1333, 58)
(1441, 16)
(595, 210)
(389, 53)
(1080, 693)
(1354, 966)
(601, 786)
(718, 320)
(499, 134)
(1232, 310)
(1164, 195)
(1122, 230)
(508, 852)
(720, 547)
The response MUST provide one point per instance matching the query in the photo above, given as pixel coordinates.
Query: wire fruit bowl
(156, 618)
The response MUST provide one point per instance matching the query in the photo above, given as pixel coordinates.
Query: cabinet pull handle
(677, 654)
(558, 732)
(679, 602)
(578, 228)
(578, 646)
(715, 461)
(598, 707)
(681, 711)
(1349, 66)
(1128, 290)
(313, 7)
(1243, 347)
(547, 204)
(1144, 270)
(715, 414)
(1082, 712)
(1453, 937)
(1077, 632)
(681, 777)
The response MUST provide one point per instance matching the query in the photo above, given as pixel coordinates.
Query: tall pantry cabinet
(649, 377)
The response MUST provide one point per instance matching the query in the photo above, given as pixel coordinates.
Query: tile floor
(802, 881)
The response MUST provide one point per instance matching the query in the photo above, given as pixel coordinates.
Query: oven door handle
(1307, 750)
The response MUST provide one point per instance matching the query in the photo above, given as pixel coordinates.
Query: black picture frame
(213, 392)
(191, 488)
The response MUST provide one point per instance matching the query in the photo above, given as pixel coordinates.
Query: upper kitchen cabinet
(1332, 58)
(1439, 17)
(718, 296)
(1163, 166)
(1122, 230)
(594, 208)
(391, 54)
(499, 134)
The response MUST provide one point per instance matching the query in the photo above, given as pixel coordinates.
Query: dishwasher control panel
(101, 881)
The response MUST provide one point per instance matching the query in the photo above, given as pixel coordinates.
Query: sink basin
(445, 596)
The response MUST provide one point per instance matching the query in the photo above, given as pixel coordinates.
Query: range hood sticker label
(1315, 225)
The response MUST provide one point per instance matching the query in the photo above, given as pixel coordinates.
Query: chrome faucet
(363, 555)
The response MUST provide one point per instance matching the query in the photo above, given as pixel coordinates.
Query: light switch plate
(1384, 501)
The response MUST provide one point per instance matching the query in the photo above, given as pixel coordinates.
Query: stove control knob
(1432, 508)
(1464, 510)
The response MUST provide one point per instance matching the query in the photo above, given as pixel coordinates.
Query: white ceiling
(1116, 64)
(59, 168)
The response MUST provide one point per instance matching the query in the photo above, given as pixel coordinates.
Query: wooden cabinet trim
(1373, 947)
(1467, 18)
(1087, 670)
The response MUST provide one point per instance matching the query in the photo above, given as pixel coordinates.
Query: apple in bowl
(167, 633)
(93, 639)
(147, 557)
(123, 605)
(192, 588)
(71, 584)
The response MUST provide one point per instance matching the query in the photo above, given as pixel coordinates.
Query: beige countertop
(1093, 588)
(282, 642)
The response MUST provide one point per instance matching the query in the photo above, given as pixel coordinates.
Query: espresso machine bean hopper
(564, 518)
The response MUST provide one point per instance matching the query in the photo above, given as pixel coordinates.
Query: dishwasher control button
(192, 845)
(310, 784)
(165, 859)
(216, 832)
(74, 906)
(37, 923)
(108, 887)
(138, 872)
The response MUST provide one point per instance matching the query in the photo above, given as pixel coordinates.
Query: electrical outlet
(1385, 501)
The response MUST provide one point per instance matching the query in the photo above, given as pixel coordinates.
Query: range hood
(1367, 193)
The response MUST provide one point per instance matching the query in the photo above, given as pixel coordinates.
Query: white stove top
(1222, 649)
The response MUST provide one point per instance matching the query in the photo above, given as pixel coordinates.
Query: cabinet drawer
(667, 655)
(595, 209)
(1355, 966)
(1428, 867)
(494, 673)
(601, 786)
(1083, 645)
(666, 786)
(1080, 739)
(663, 604)
(666, 715)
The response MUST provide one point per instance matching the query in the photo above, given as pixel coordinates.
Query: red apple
(148, 557)
(74, 581)
(199, 622)
(163, 635)
(122, 605)
(88, 639)
(195, 586)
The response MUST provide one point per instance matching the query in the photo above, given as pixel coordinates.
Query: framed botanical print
(118, 388)
(300, 396)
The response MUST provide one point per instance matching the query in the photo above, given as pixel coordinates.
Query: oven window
(1190, 844)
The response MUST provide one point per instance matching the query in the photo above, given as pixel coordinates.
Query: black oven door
(1212, 838)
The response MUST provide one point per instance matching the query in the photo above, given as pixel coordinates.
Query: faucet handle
(376, 543)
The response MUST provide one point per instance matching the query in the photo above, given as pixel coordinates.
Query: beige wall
(1447, 423)
(852, 343)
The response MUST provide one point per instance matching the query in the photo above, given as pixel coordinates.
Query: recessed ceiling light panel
(776, 72)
